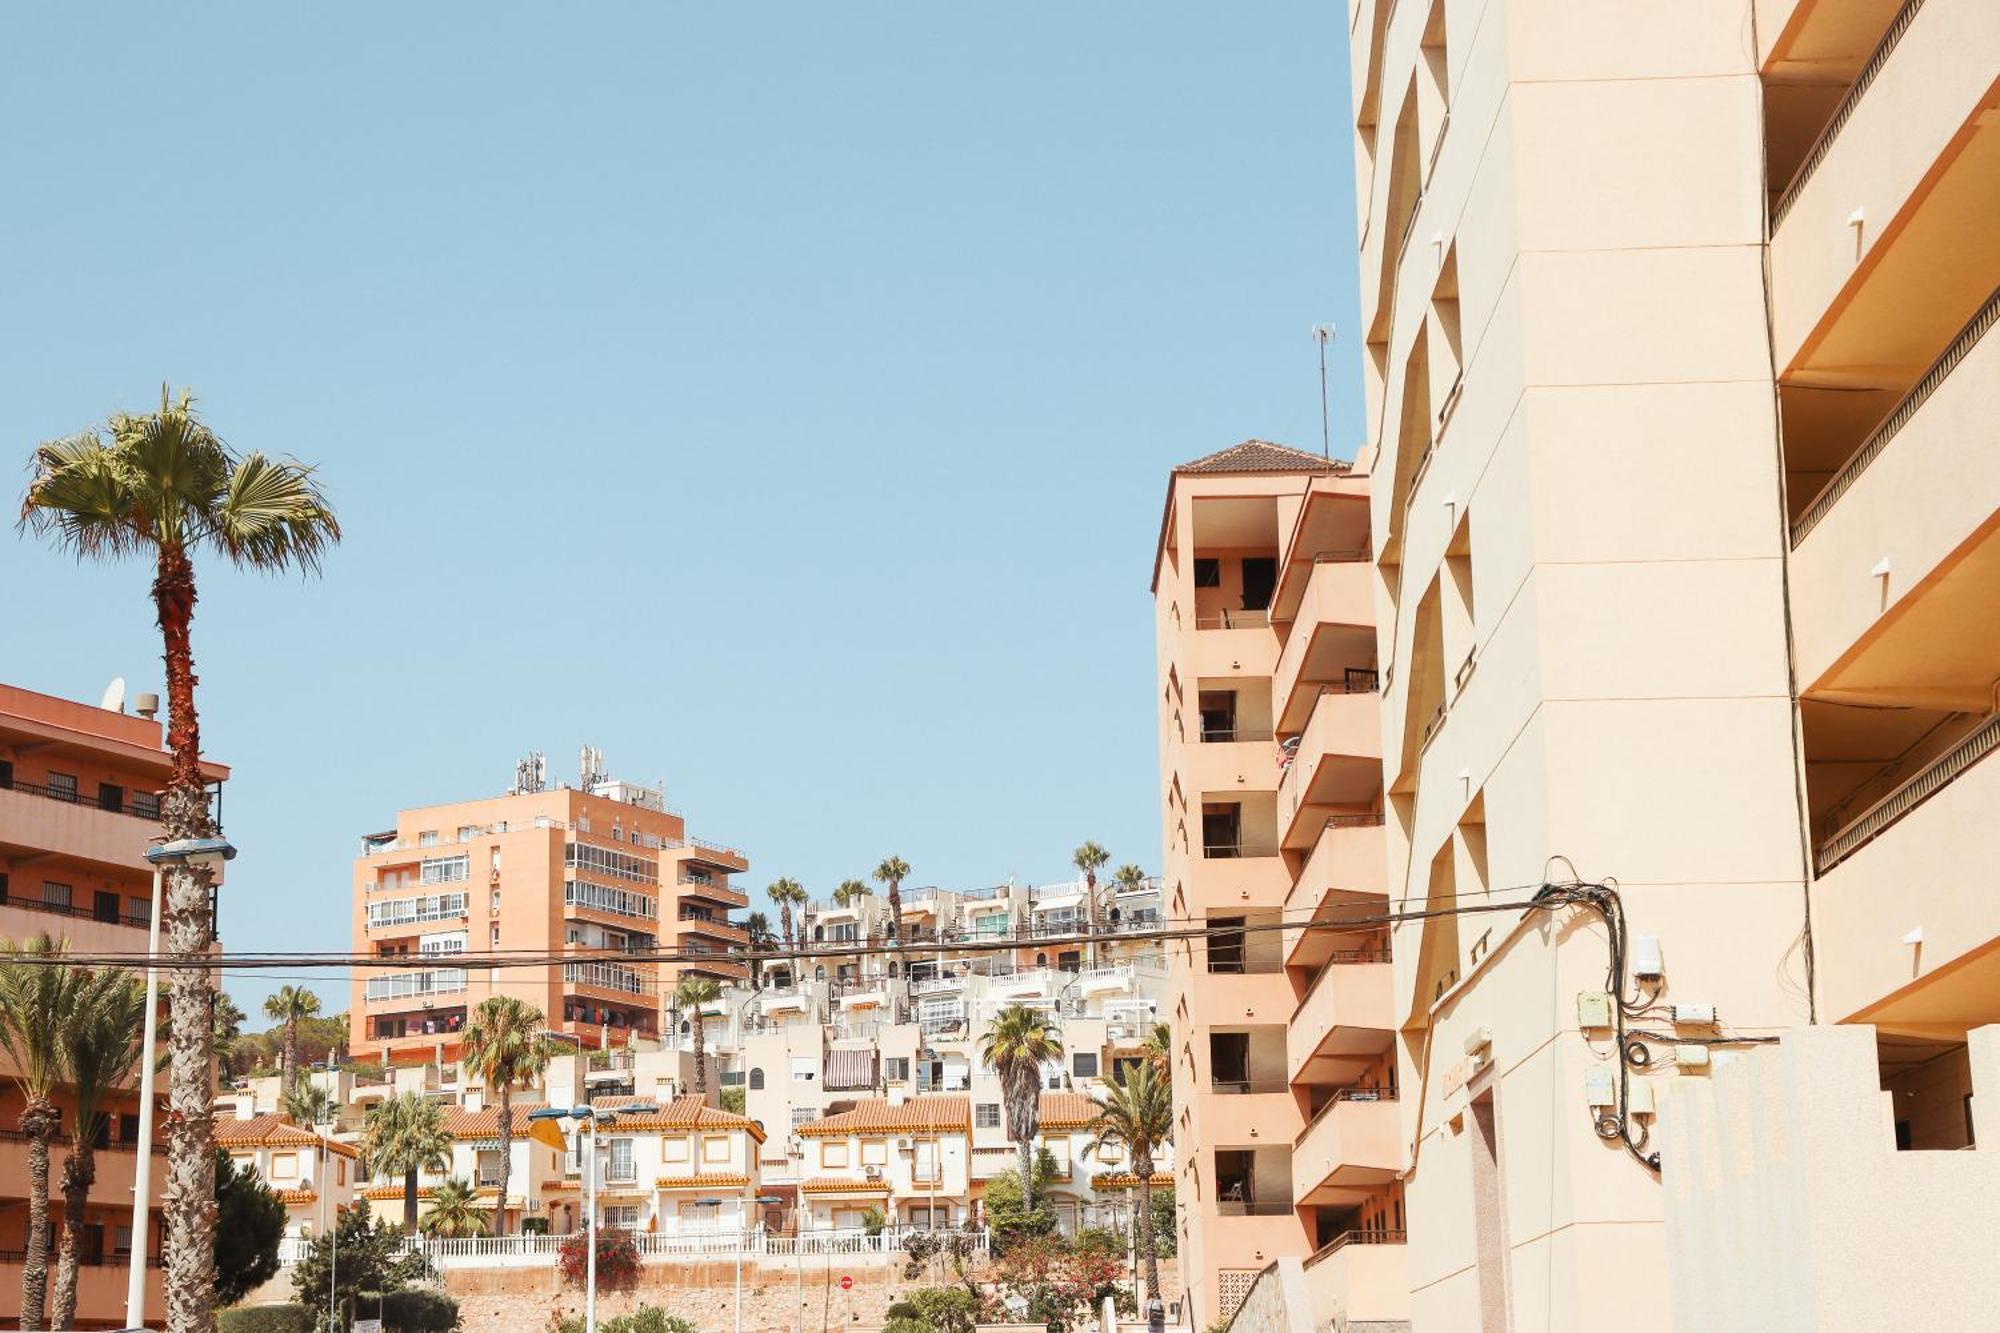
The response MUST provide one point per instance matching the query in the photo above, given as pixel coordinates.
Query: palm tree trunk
(78, 1174)
(410, 1201)
(700, 1055)
(506, 1157)
(291, 1075)
(189, 1203)
(1027, 1147)
(1148, 1252)
(38, 1122)
(1090, 916)
(896, 912)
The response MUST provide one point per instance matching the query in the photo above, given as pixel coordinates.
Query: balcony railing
(1248, 1087)
(1254, 1207)
(1910, 795)
(135, 804)
(1347, 1238)
(1235, 851)
(604, 975)
(1232, 735)
(1235, 620)
(77, 911)
(1343, 1095)
(402, 985)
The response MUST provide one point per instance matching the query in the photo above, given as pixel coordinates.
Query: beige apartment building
(588, 872)
(1270, 740)
(1683, 514)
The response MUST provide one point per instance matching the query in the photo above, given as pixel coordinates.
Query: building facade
(1271, 787)
(1675, 367)
(313, 1173)
(79, 806)
(598, 870)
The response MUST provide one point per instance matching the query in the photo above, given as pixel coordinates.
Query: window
(138, 911)
(925, 1167)
(715, 1148)
(833, 1154)
(621, 1167)
(986, 1115)
(896, 1069)
(605, 861)
(874, 1152)
(444, 869)
(146, 804)
(494, 935)
(622, 1216)
(489, 1166)
(804, 1068)
(673, 1150)
(756, 1080)
(467, 832)
(578, 893)
(427, 838)
(1260, 579)
(55, 895)
(1207, 572)
(62, 786)
(1086, 1064)
(111, 796)
(339, 1171)
(284, 1165)
(404, 911)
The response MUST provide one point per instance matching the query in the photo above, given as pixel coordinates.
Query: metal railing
(1254, 1207)
(402, 985)
(1260, 619)
(1913, 793)
(1898, 417)
(701, 845)
(1354, 821)
(1347, 1238)
(1234, 735)
(1844, 111)
(1248, 1087)
(134, 804)
(1234, 851)
(79, 911)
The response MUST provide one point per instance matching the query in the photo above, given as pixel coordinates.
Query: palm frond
(174, 467)
(273, 515)
(77, 494)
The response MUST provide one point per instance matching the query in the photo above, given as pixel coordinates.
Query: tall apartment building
(595, 871)
(1270, 745)
(79, 806)
(1677, 392)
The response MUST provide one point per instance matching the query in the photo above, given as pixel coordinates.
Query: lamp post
(591, 1116)
(184, 852)
(333, 1237)
(795, 1151)
(763, 1200)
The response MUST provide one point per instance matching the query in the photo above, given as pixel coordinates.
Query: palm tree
(1159, 1048)
(1138, 1116)
(758, 927)
(406, 1134)
(1090, 858)
(38, 1002)
(788, 893)
(506, 1043)
(849, 890)
(101, 1045)
(1128, 877)
(309, 1104)
(163, 485)
(893, 871)
(1016, 1045)
(455, 1211)
(288, 1007)
(689, 996)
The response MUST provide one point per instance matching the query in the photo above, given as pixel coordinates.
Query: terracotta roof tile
(1067, 1110)
(1262, 456)
(688, 1112)
(843, 1185)
(1125, 1180)
(875, 1115)
(720, 1181)
(273, 1131)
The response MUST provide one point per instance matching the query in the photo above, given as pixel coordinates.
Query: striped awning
(850, 1068)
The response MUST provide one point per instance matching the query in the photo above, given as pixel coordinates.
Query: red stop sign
(846, 1282)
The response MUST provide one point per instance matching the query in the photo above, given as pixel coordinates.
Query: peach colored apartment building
(584, 874)
(1270, 740)
(1684, 520)
(79, 806)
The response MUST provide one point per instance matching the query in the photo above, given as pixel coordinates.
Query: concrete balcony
(1243, 765)
(115, 1167)
(1245, 997)
(1345, 877)
(33, 823)
(1249, 875)
(1360, 1279)
(1909, 878)
(1261, 1115)
(1333, 634)
(1344, 1021)
(1348, 1151)
(1877, 156)
(1234, 650)
(100, 1288)
(1337, 764)
(714, 891)
(1906, 503)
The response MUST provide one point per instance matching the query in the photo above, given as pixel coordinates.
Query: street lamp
(184, 852)
(553, 1116)
(763, 1200)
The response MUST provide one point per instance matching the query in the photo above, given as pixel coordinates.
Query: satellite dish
(114, 696)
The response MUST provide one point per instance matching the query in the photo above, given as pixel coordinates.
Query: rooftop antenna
(531, 774)
(114, 696)
(1323, 334)
(590, 767)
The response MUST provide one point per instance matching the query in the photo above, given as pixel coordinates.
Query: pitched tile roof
(875, 1115)
(687, 1112)
(718, 1181)
(273, 1131)
(843, 1185)
(1067, 1110)
(484, 1123)
(1262, 456)
(1125, 1180)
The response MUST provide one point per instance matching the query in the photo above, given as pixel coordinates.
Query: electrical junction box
(1694, 1015)
(1639, 1096)
(1691, 1057)
(1647, 961)
(1593, 1010)
(1598, 1088)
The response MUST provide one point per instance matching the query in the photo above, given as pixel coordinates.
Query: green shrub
(905, 1324)
(902, 1310)
(417, 1311)
(265, 1319)
(872, 1221)
(646, 1319)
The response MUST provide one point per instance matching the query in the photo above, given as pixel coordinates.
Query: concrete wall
(1789, 1208)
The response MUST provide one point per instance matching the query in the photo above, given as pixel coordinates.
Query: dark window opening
(1260, 580)
(1225, 946)
(111, 796)
(1218, 715)
(1207, 572)
(1228, 1055)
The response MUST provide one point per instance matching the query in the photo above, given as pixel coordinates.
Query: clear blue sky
(778, 397)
